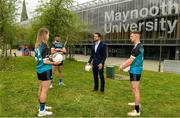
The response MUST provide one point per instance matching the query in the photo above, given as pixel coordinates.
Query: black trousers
(96, 71)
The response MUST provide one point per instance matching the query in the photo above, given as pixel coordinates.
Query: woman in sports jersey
(44, 69)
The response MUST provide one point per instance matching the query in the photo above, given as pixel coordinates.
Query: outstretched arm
(127, 63)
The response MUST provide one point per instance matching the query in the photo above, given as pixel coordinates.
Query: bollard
(110, 71)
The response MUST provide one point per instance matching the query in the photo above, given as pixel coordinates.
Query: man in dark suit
(98, 56)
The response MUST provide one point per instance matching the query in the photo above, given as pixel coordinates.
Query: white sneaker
(62, 84)
(51, 86)
(44, 113)
(131, 103)
(133, 113)
(48, 107)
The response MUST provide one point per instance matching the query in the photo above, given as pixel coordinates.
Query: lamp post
(160, 54)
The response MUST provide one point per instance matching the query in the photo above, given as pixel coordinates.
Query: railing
(155, 42)
(171, 66)
(92, 3)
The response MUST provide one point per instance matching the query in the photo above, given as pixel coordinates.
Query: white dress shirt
(96, 45)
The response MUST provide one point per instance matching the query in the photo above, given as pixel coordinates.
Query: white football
(57, 57)
(126, 69)
(88, 68)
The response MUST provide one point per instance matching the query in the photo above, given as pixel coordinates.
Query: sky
(31, 5)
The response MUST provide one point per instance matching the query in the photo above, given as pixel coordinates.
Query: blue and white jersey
(42, 52)
(137, 65)
(57, 45)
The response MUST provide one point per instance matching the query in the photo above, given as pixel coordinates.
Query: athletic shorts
(45, 76)
(135, 77)
(59, 64)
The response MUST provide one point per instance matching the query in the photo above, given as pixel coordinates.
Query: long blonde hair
(41, 37)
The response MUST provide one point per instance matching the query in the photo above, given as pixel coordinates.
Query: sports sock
(52, 81)
(137, 108)
(42, 106)
(60, 80)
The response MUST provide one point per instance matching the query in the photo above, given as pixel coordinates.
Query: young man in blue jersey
(136, 67)
(44, 70)
(58, 46)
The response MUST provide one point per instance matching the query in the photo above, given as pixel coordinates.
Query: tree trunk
(6, 50)
(3, 48)
(10, 50)
(71, 53)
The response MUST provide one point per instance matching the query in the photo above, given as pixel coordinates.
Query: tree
(7, 24)
(58, 18)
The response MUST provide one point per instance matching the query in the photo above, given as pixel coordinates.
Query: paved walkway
(148, 64)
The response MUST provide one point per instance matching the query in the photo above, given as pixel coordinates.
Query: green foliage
(56, 16)
(7, 24)
(160, 93)
(25, 36)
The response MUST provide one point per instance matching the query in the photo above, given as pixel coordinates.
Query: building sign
(123, 21)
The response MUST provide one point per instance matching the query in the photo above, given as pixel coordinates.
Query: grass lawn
(160, 93)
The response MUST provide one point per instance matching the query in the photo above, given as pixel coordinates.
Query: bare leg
(44, 90)
(136, 91)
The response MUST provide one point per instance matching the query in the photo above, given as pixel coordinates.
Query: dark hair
(97, 33)
(57, 35)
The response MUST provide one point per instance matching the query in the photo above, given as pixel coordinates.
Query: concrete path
(148, 64)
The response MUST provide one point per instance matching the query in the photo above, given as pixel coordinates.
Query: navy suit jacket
(99, 56)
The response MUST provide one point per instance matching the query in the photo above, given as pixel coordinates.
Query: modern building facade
(157, 20)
